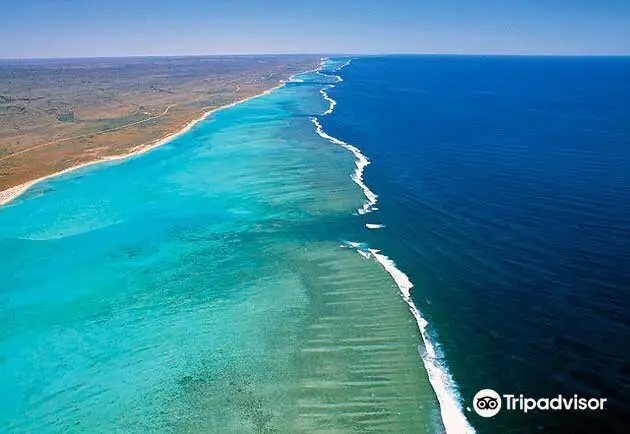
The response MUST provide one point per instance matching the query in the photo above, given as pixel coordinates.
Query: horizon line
(484, 54)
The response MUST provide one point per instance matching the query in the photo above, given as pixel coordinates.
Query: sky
(95, 28)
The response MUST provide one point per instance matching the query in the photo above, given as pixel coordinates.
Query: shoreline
(12, 193)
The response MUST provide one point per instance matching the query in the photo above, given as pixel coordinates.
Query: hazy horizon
(150, 56)
(82, 28)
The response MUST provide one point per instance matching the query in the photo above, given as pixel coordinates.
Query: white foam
(445, 388)
(361, 161)
(364, 254)
(344, 65)
(336, 77)
(331, 101)
(361, 248)
(352, 244)
(374, 226)
(340, 67)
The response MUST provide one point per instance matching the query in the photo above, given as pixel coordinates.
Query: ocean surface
(504, 185)
(359, 251)
(211, 285)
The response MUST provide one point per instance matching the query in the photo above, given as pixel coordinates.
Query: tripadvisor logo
(488, 403)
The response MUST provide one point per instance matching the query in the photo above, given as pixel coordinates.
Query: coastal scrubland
(59, 113)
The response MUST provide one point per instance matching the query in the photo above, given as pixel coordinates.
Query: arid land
(56, 114)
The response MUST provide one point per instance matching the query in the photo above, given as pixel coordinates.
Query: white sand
(11, 193)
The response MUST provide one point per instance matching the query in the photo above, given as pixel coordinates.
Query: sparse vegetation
(49, 107)
(66, 117)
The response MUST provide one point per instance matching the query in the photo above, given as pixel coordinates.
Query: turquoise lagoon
(204, 287)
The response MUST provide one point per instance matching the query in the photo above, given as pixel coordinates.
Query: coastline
(384, 337)
(12, 193)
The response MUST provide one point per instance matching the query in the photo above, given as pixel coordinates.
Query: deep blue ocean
(359, 251)
(504, 185)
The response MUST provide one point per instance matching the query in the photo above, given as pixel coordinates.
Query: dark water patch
(504, 187)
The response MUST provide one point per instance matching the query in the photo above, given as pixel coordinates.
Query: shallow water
(206, 287)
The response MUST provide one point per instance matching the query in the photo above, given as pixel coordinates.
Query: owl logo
(487, 403)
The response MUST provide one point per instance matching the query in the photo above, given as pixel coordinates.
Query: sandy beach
(12, 193)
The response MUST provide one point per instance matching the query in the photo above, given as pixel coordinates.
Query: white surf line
(331, 101)
(361, 161)
(327, 75)
(374, 226)
(446, 390)
(293, 78)
(344, 65)
(336, 77)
